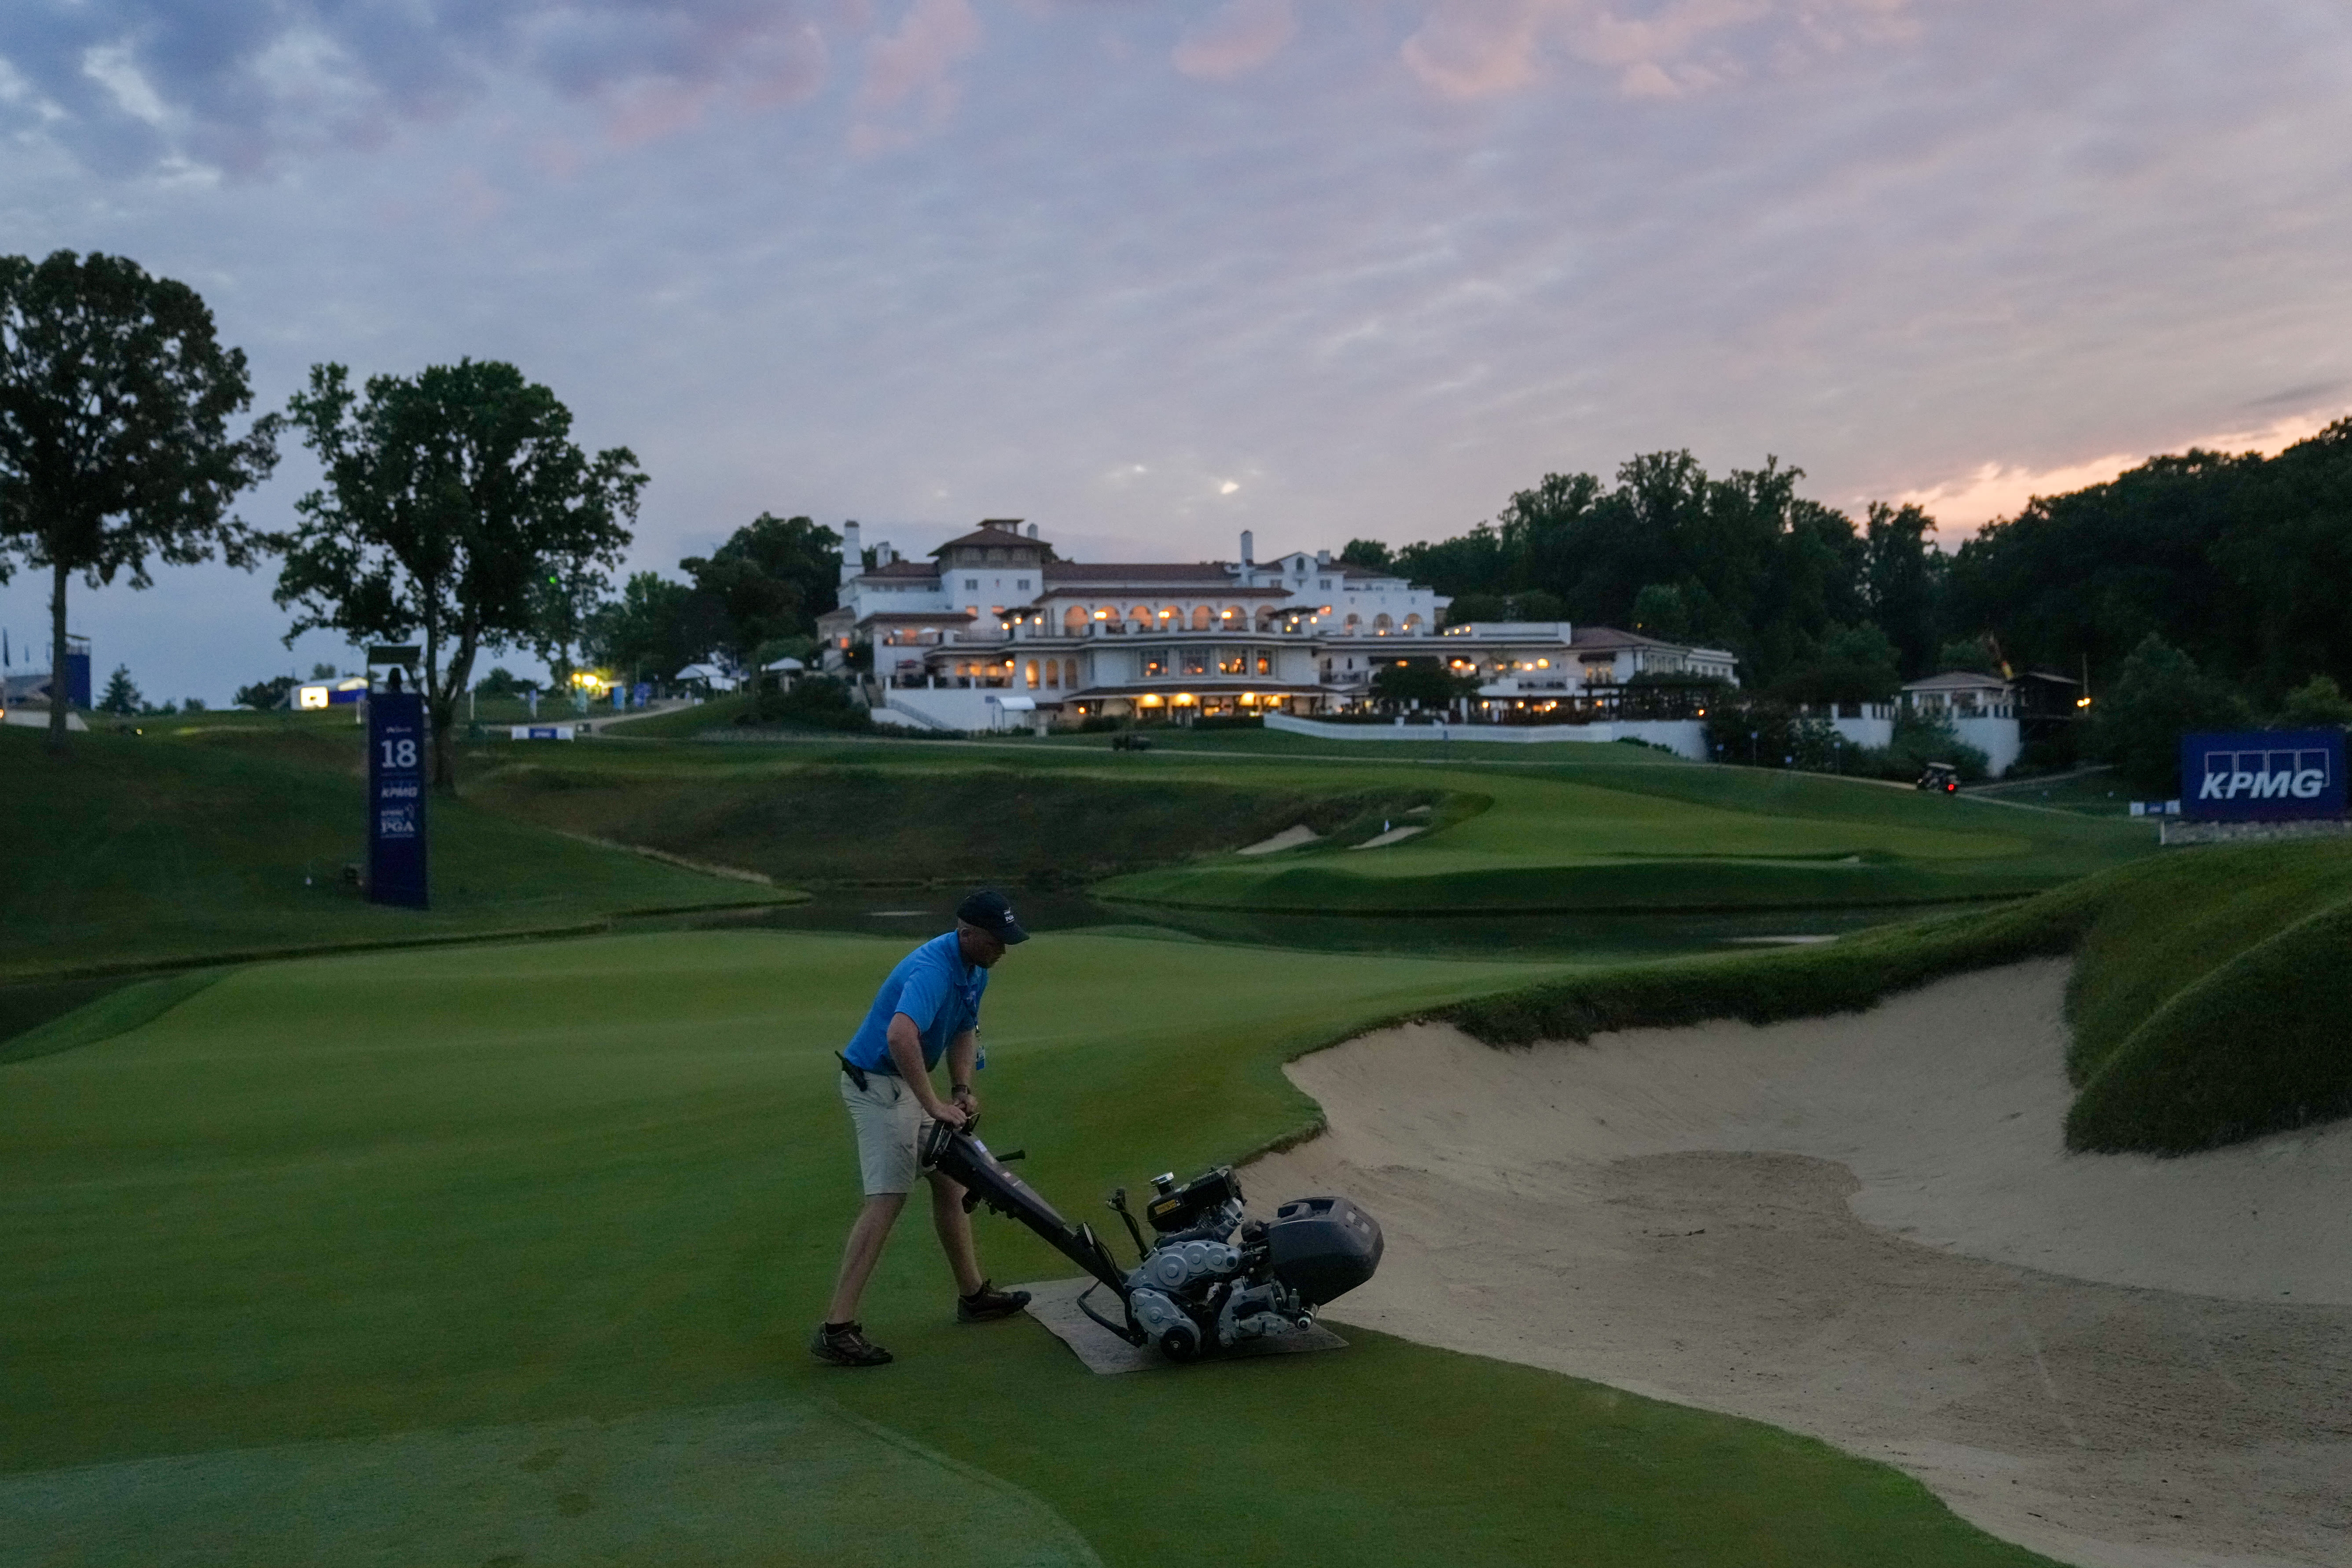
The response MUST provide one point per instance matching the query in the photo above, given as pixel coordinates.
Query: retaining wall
(1684, 737)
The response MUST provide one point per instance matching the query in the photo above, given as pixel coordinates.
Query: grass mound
(850, 824)
(2257, 1043)
(1601, 836)
(142, 851)
(2208, 1001)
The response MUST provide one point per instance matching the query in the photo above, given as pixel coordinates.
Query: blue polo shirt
(935, 988)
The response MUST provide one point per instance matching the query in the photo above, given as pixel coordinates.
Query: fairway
(506, 1253)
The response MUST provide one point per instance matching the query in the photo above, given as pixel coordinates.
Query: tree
(264, 695)
(500, 683)
(1971, 655)
(1368, 554)
(445, 495)
(562, 599)
(115, 401)
(1856, 663)
(2316, 704)
(654, 626)
(2159, 695)
(121, 698)
(772, 579)
(1659, 611)
(1421, 682)
(1902, 579)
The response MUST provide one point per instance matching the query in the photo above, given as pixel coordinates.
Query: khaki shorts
(890, 1126)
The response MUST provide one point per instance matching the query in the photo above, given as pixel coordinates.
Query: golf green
(507, 1254)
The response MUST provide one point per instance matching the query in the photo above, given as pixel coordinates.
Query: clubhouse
(995, 629)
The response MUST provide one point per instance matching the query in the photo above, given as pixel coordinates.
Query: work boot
(989, 1302)
(846, 1344)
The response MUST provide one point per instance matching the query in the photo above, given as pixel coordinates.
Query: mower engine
(1208, 1278)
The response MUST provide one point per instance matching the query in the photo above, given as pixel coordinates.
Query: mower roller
(1208, 1278)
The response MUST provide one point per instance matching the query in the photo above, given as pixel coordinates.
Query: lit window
(1155, 664)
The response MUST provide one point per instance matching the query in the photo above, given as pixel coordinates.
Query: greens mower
(1208, 1279)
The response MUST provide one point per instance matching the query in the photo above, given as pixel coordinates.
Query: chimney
(1247, 547)
(1323, 559)
(1032, 530)
(853, 561)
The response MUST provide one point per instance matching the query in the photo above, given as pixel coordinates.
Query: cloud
(1243, 35)
(1994, 490)
(909, 87)
(1481, 48)
(126, 85)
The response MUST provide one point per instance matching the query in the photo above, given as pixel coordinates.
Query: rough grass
(2207, 1004)
(159, 849)
(466, 1220)
(829, 823)
(2259, 1044)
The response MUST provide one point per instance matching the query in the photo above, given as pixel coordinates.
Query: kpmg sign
(397, 798)
(2263, 775)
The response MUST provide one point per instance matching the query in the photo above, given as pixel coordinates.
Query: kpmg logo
(2263, 774)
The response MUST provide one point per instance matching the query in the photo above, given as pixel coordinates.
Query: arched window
(1353, 625)
(1070, 674)
(1379, 625)
(1032, 673)
(1141, 615)
(1411, 623)
(1073, 621)
(1200, 617)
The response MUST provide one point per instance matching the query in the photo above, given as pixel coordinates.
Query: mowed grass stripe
(330, 1201)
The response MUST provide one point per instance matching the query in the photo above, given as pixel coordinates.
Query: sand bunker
(1288, 838)
(1866, 1228)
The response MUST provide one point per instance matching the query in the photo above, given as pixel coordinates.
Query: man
(928, 1008)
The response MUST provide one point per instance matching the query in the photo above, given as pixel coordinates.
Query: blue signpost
(397, 799)
(2263, 775)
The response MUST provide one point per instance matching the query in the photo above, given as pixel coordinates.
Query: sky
(1151, 272)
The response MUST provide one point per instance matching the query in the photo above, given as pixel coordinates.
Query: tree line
(2198, 588)
(454, 506)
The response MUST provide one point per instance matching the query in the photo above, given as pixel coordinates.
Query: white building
(996, 614)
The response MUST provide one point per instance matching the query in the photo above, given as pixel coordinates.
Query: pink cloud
(1480, 48)
(915, 60)
(1994, 490)
(1239, 38)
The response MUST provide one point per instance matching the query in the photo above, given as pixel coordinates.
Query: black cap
(992, 912)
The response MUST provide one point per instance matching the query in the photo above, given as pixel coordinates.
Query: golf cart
(1941, 777)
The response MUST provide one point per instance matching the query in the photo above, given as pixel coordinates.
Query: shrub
(814, 701)
(2158, 695)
